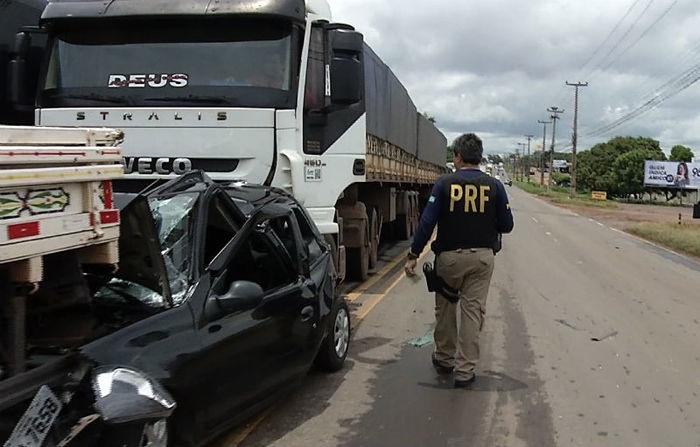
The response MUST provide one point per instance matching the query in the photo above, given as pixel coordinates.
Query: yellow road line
(369, 305)
(355, 294)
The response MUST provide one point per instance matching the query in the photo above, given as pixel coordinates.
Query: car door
(298, 306)
(245, 353)
(320, 276)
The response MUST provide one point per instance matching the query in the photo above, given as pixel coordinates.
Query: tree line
(617, 166)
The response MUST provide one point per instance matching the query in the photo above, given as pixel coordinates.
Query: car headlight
(126, 395)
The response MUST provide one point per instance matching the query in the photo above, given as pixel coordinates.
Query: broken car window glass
(173, 220)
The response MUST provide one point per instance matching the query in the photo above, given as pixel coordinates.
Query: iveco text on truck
(267, 92)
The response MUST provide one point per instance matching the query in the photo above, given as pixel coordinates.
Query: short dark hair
(469, 147)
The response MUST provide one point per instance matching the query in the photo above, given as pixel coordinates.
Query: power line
(688, 55)
(622, 39)
(612, 32)
(682, 84)
(672, 88)
(641, 36)
(590, 59)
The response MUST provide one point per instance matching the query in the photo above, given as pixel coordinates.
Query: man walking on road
(470, 209)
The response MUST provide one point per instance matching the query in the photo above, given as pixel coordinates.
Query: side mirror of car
(242, 295)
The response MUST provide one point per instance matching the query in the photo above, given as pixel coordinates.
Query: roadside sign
(672, 174)
(599, 195)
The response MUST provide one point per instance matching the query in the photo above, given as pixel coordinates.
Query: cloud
(494, 66)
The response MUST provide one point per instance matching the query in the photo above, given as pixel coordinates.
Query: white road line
(535, 220)
(548, 233)
(600, 224)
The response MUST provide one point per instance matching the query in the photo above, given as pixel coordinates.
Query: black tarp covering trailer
(392, 116)
(14, 15)
(432, 144)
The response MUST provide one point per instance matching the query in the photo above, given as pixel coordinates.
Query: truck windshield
(239, 64)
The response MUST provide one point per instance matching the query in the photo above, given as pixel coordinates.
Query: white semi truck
(269, 92)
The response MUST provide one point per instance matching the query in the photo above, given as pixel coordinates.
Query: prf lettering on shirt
(470, 194)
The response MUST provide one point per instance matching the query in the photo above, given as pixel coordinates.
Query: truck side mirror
(346, 74)
(17, 88)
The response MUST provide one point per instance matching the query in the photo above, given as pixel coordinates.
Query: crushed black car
(224, 298)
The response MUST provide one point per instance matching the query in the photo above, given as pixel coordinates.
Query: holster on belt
(437, 284)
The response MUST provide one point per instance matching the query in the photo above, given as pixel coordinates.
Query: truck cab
(267, 92)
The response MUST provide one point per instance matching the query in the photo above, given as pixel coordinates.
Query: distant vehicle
(503, 178)
(225, 295)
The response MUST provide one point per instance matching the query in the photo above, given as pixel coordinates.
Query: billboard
(672, 174)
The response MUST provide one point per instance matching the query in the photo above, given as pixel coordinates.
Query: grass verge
(682, 238)
(560, 196)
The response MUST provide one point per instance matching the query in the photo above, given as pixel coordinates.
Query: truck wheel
(373, 238)
(358, 263)
(403, 227)
(334, 349)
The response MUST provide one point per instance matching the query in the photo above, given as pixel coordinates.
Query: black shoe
(459, 383)
(442, 369)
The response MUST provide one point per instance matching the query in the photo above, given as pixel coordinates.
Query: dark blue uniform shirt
(470, 209)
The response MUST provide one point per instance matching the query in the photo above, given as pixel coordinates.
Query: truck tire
(334, 349)
(402, 226)
(358, 263)
(373, 238)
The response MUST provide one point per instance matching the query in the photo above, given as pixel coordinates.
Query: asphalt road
(592, 339)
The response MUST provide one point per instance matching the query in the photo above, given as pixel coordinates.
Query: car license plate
(32, 429)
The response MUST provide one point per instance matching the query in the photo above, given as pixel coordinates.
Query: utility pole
(544, 149)
(522, 162)
(529, 140)
(574, 137)
(555, 111)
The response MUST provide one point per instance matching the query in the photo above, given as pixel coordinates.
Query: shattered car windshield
(173, 220)
(172, 217)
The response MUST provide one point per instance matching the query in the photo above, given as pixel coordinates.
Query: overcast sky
(494, 66)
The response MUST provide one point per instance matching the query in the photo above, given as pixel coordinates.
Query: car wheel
(334, 349)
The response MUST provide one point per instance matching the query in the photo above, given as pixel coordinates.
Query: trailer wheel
(358, 263)
(403, 227)
(373, 238)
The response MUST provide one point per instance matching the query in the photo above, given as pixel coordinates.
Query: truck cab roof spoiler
(71, 9)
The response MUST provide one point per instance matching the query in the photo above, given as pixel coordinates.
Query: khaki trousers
(469, 271)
